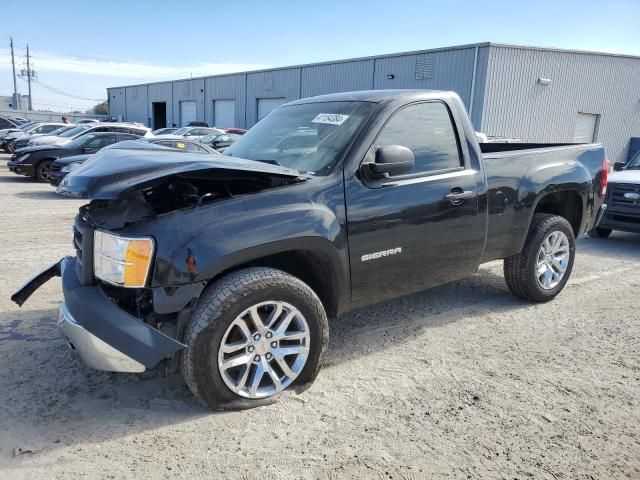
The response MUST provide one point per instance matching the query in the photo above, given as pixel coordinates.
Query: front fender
(196, 245)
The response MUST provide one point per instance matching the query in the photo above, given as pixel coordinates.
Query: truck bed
(517, 174)
(493, 147)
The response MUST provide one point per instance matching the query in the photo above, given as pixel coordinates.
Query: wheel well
(565, 204)
(306, 265)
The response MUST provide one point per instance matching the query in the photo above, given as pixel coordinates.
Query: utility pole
(16, 99)
(29, 79)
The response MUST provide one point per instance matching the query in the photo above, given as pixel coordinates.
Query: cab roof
(373, 96)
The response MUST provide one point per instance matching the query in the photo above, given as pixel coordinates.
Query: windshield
(209, 138)
(74, 131)
(26, 126)
(634, 164)
(308, 138)
(78, 142)
(58, 131)
(181, 131)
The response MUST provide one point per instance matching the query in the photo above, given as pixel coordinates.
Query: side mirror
(392, 160)
(618, 166)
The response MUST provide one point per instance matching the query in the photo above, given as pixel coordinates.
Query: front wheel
(541, 270)
(43, 171)
(253, 334)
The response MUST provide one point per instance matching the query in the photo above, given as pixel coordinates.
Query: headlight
(22, 157)
(71, 166)
(122, 261)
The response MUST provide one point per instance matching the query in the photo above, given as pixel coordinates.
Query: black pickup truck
(229, 268)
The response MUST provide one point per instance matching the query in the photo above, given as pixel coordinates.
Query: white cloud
(131, 70)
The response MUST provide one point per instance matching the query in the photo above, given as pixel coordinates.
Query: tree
(101, 108)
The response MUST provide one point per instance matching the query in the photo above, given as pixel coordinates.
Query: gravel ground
(460, 381)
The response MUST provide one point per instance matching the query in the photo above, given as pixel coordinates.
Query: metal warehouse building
(534, 94)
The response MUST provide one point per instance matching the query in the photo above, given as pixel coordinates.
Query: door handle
(457, 196)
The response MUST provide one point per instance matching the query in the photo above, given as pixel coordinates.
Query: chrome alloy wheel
(553, 260)
(264, 349)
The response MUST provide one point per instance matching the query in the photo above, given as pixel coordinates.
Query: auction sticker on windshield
(330, 118)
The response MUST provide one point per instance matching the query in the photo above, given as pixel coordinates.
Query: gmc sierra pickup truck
(229, 268)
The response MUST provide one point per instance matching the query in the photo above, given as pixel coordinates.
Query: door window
(426, 129)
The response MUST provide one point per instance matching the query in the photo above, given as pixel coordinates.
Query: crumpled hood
(625, 176)
(113, 171)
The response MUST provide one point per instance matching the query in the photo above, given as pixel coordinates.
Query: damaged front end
(119, 325)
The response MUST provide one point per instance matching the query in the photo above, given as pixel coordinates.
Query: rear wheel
(600, 232)
(541, 270)
(43, 171)
(253, 334)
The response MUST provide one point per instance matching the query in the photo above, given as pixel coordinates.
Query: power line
(63, 93)
(66, 94)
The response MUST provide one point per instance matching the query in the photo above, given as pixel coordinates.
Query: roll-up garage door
(187, 112)
(586, 124)
(224, 113)
(265, 105)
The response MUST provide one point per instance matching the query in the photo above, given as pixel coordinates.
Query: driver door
(411, 232)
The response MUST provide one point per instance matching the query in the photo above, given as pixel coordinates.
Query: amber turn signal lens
(137, 259)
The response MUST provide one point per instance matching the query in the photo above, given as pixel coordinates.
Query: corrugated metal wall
(188, 90)
(440, 70)
(507, 98)
(136, 104)
(450, 69)
(337, 77)
(160, 92)
(284, 83)
(517, 105)
(117, 103)
(230, 87)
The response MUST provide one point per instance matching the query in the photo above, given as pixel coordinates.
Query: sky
(79, 49)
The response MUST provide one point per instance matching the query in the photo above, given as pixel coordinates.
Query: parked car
(195, 133)
(24, 141)
(219, 141)
(63, 166)
(36, 162)
(20, 128)
(623, 200)
(8, 122)
(231, 267)
(87, 121)
(80, 130)
(164, 131)
(196, 124)
(237, 131)
(6, 131)
(37, 128)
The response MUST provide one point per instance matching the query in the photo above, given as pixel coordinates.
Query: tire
(220, 307)
(521, 271)
(42, 171)
(600, 232)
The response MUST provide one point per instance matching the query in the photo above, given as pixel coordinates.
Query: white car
(37, 128)
(80, 130)
(195, 133)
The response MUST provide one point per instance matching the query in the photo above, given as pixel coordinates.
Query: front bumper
(93, 351)
(105, 336)
(21, 169)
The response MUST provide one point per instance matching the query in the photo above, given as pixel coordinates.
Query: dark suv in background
(36, 162)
